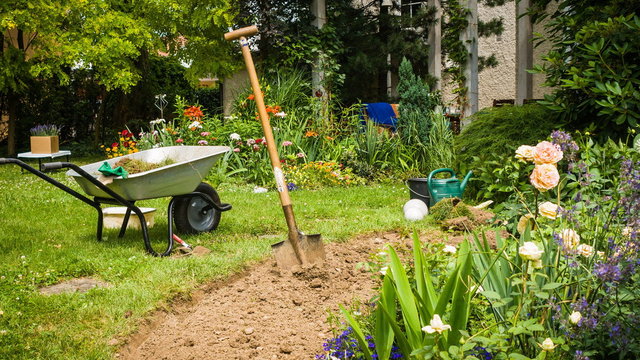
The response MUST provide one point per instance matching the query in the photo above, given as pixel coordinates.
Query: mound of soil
(264, 313)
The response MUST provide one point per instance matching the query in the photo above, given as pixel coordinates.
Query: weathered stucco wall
(500, 82)
(494, 83)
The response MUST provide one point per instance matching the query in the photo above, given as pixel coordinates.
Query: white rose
(547, 345)
(524, 221)
(530, 251)
(525, 153)
(570, 238)
(235, 137)
(548, 210)
(575, 317)
(585, 250)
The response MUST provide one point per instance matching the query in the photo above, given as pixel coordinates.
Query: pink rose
(236, 150)
(287, 143)
(205, 133)
(547, 153)
(179, 141)
(545, 177)
(300, 155)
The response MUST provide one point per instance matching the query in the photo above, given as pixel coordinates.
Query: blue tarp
(382, 114)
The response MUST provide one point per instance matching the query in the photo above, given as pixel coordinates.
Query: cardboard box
(44, 145)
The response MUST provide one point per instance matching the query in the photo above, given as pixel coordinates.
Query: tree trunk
(12, 107)
(99, 124)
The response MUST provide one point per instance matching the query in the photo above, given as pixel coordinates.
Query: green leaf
(516, 356)
(406, 300)
(551, 286)
(362, 342)
(491, 295)
(383, 335)
(636, 143)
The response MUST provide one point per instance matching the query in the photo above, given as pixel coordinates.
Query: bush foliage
(499, 130)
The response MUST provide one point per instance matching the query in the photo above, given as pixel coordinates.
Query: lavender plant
(45, 130)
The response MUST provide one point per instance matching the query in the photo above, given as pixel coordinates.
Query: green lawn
(48, 236)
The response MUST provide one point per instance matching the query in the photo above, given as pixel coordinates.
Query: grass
(48, 236)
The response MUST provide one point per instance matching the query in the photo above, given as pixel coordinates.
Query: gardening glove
(106, 170)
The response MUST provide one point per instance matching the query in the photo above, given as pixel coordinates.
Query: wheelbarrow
(194, 207)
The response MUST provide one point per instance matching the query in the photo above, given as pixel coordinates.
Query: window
(410, 7)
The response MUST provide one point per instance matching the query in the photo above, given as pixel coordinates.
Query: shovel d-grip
(115, 200)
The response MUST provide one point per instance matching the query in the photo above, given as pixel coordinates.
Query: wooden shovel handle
(243, 32)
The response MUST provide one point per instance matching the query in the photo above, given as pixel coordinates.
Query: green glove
(106, 170)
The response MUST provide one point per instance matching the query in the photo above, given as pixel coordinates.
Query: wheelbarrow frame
(116, 199)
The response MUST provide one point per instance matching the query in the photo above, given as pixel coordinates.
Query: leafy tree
(46, 39)
(593, 63)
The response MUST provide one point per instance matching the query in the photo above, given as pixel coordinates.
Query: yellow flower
(121, 139)
(107, 149)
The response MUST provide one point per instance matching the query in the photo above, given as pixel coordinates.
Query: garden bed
(266, 313)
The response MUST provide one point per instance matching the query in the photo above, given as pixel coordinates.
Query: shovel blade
(311, 247)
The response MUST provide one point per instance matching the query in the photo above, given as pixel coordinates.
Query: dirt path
(264, 313)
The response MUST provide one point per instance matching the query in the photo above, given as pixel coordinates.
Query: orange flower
(251, 97)
(193, 112)
(328, 138)
(310, 134)
(545, 177)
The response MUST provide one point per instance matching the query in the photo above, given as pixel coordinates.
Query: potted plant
(44, 139)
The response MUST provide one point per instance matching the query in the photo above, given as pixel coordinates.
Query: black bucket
(418, 189)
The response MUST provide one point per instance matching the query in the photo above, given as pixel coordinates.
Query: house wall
(494, 83)
(500, 82)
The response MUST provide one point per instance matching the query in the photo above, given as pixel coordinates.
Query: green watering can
(445, 188)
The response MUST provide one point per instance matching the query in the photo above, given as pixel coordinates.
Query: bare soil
(264, 313)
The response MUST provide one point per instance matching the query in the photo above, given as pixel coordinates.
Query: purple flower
(607, 272)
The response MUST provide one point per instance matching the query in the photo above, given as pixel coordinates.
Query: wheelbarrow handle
(5, 161)
(51, 166)
(243, 32)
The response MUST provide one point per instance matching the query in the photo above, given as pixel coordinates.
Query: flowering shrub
(318, 174)
(566, 288)
(125, 145)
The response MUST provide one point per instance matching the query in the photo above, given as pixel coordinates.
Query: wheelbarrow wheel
(193, 214)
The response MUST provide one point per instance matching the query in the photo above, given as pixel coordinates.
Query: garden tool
(298, 248)
(446, 188)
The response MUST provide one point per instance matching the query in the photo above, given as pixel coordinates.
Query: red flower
(251, 97)
(125, 144)
(179, 141)
(259, 141)
(126, 133)
(115, 144)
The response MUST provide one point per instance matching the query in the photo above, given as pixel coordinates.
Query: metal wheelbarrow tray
(195, 206)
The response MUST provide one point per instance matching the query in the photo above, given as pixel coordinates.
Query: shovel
(298, 248)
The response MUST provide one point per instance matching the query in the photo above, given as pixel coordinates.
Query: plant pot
(114, 216)
(44, 144)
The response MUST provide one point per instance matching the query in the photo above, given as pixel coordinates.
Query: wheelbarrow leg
(100, 224)
(125, 222)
